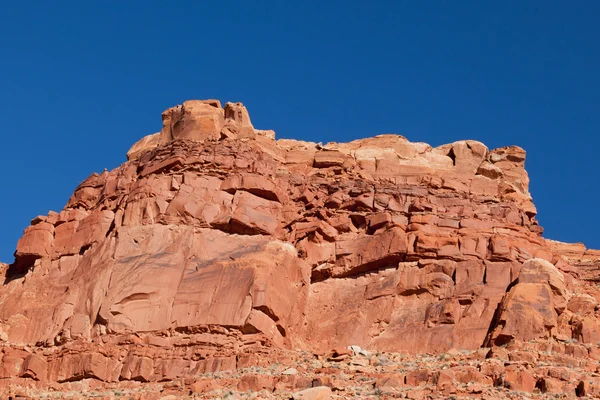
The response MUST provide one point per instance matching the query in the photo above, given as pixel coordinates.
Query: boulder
(531, 308)
(145, 144)
(193, 120)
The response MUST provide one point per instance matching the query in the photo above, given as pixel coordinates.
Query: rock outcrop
(214, 240)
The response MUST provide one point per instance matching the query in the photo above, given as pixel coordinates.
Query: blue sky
(81, 81)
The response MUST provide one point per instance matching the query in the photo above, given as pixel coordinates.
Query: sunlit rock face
(214, 238)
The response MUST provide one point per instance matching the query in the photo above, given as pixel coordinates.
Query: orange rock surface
(215, 242)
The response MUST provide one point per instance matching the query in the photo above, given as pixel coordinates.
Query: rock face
(214, 238)
(530, 309)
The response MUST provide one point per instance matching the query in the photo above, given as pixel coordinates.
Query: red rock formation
(214, 238)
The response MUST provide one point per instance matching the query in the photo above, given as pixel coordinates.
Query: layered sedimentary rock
(214, 238)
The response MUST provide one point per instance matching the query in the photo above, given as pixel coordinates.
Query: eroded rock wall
(213, 227)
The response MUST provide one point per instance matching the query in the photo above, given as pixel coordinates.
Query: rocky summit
(220, 262)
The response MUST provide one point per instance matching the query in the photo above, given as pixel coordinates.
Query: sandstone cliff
(214, 239)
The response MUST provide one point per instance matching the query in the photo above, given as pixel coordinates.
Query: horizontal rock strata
(215, 240)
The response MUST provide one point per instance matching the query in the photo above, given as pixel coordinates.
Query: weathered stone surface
(193, 120)
(237, 123)
(37, 241)
(215, 243)
(145, 144)
(530, 309)
(317, 393)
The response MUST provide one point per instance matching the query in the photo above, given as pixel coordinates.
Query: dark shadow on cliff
(488, 342)
(18, 269)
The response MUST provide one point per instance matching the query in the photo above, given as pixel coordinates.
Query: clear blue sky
(81, 81)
